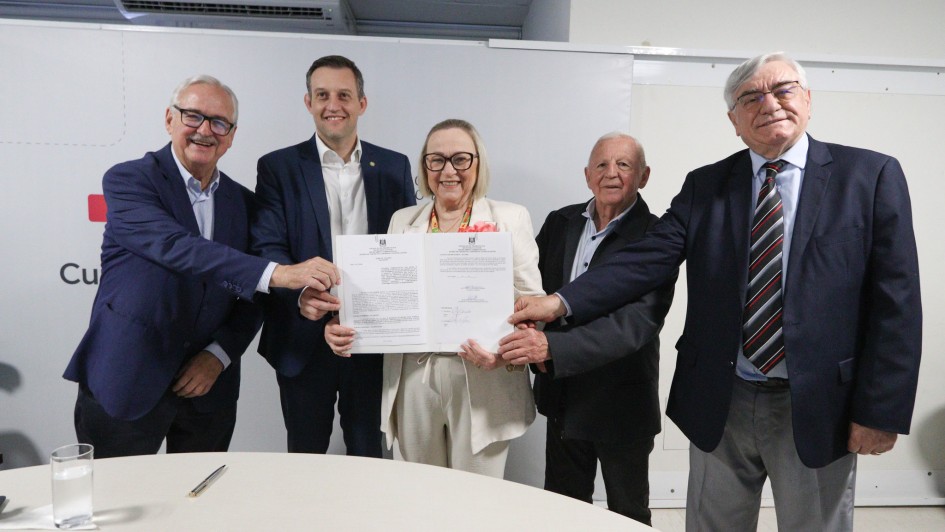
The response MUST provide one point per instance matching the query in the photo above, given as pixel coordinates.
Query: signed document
(425, 292)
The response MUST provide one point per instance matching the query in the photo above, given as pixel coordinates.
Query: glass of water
(72, 485)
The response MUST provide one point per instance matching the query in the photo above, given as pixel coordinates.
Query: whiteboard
(77, 99)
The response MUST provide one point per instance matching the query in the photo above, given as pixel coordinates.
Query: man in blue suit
(173, 312)
(331, 184)
(803, 328)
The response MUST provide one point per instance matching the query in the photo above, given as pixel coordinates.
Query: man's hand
(473, 352)
(315, 273)
(198, 375)
(314, 304)
(526, 345)
(864, 440)
(538, 308)
(338, 337)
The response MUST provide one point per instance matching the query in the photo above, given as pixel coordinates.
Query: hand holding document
(339, 337)
(314, 304)
(474, 353)
(315, 273)
(419, 292)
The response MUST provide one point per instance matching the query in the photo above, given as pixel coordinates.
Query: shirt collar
(327, 155)
(796, 155)
(192, 183)
(592, 209)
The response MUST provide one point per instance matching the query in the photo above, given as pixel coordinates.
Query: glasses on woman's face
(435, 162)
(194, 119)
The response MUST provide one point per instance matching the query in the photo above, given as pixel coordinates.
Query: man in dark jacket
(598, 383)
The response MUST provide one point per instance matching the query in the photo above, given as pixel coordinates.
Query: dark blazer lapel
(813, 189)
(224, 200)
(175, 190)
(370, 175)
(631, 227)
(741, 206)
(314, 181)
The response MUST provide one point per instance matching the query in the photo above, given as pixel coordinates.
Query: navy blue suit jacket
(294, 226)
(852, 309)
(166, 292)
(602, 381)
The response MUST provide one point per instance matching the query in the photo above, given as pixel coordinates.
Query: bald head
(616, 170)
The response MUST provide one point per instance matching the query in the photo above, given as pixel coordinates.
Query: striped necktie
(763, 342)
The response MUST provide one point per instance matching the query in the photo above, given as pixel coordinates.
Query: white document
(425, 292)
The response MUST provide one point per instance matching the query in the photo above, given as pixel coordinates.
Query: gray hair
(749, 68)
(621, 135)
(207, 80)
(482, 179)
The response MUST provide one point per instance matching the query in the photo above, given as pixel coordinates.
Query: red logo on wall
(97, 208)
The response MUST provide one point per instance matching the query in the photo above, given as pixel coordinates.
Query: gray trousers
(725, 485)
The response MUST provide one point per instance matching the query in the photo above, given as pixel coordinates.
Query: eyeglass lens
(782, 93)
(460, 161)
(194, 119)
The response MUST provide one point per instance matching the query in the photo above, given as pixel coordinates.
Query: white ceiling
(465, 19)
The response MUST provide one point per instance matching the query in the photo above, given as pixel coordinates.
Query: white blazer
(501, 402)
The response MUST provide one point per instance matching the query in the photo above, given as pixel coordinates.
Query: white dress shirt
(344, 189)
(591, 238)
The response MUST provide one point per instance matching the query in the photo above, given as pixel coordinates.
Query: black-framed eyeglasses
(783, 92)
(218, 126)
(461, 160)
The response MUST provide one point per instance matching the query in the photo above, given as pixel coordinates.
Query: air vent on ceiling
(331, 16)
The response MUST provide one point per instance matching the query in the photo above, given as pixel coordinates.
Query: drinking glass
(72, 485)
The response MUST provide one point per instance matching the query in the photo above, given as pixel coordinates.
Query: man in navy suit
(598, 383)
(173, 312)
(331, 184)
(842, 316)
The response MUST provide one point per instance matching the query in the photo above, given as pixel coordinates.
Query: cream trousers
(432, 414)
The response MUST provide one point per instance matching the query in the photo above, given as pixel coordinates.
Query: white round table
(282, 492)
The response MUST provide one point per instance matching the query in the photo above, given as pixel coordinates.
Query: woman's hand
(339, 338)
(473, 352)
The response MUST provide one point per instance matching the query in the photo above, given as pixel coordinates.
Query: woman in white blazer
(457, 410)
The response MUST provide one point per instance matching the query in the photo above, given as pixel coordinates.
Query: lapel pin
(371, 163)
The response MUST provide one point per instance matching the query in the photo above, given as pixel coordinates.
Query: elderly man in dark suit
(331, 184)
(173, 312)
(598, 383)
(804, 321)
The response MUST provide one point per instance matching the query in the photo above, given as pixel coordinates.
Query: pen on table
(206, 482)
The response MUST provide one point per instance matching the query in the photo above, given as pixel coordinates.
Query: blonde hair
(482, 178)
